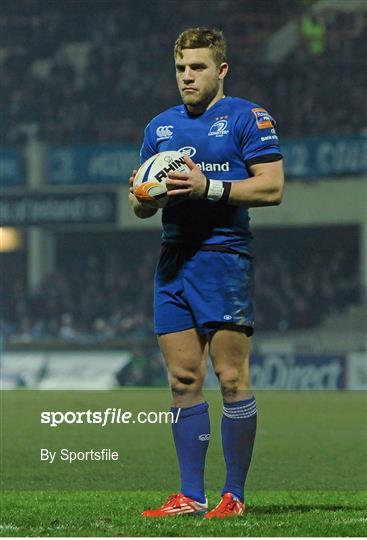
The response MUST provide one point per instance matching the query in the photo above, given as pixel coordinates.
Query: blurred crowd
(300, 293)
(104, 298)
(83, 72)
(105, 295)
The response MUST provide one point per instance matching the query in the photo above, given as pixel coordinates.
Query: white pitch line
(352, 520)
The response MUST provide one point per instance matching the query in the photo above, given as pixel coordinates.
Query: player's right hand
(146, 201)
(151, 204)
(131, 180)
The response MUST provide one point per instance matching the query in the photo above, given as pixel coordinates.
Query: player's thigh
(172, 313)
(219, 286)
(230, 355)
(185, 354)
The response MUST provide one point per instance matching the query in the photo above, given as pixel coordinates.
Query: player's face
(199, 79)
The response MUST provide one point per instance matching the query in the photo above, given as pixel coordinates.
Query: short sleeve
(258, 136)
(148, 148)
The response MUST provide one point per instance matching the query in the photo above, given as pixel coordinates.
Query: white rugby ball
(150, 180)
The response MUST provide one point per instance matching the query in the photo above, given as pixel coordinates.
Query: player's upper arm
(259, 140)
(148, 148)
(143, 210)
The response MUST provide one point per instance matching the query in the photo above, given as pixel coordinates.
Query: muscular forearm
(256, 191)
(141, 210)
(263, 188)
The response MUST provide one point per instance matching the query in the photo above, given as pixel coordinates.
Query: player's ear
(223, 70)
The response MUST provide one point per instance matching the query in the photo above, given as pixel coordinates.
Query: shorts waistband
(204, 247)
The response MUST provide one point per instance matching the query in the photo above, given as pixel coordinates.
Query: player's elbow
(276, 193)
(276, 198)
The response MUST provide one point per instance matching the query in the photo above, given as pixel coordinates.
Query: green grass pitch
(270, 513)
(308, 476)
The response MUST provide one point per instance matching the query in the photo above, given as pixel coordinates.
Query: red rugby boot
(177, 505)
(229, 506)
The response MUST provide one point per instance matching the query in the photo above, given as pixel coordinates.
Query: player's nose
(188, 75)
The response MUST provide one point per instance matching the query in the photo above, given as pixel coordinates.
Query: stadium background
(79, 81)
(76, 267)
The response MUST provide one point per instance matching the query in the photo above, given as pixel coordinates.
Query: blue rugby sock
(191, 435)
(238, 436)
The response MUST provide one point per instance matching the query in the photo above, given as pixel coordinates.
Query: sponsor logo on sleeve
(263, 118)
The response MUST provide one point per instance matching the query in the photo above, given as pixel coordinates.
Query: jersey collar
(207, 111)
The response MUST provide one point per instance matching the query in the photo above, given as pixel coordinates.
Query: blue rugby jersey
(222, 141)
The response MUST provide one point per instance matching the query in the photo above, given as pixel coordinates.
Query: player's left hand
(186, 185)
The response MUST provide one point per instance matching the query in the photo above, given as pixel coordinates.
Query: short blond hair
(200, 38)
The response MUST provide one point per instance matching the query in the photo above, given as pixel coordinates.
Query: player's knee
(229, 387)
(183, 383)
(232, 381)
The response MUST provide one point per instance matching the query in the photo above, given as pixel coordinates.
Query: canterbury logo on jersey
(204, 437)
(164, 132)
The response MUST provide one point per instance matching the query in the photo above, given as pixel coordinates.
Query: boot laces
(175, 499)
(226, 505)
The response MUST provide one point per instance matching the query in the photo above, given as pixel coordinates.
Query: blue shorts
(202, 289)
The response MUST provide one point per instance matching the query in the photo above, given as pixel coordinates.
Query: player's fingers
(178, 176)
(133, 174)
(176, 181)
(147, 201)
(177, 193)
(189, 162)
(176, 184)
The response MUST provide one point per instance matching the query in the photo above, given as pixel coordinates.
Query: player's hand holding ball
(191, 183)
(149, 204)
(151, 183)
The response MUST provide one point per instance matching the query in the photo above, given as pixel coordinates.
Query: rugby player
(202, 298)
